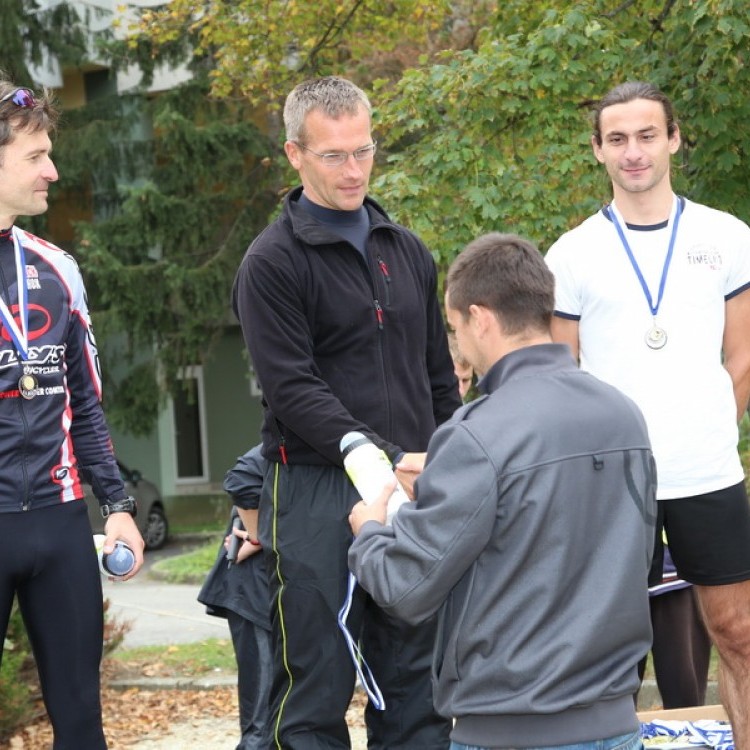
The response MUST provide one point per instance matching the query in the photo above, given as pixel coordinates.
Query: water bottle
(117, 563)
(370, 470)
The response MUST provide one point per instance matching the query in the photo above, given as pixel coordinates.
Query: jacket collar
(530, 360)
(310, 230)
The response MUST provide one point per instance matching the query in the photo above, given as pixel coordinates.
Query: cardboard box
(693, 713)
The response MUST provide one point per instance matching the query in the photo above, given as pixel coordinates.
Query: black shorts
(708, 536)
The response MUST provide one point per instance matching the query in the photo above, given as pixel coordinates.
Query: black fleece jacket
(339, 343)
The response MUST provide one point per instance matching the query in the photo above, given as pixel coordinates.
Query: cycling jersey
(52, 428)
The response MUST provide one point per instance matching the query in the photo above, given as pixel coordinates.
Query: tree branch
(623, 6)
(333, 31)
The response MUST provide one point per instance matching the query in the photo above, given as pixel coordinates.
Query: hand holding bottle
(117, 563)
(376, 510)
(371, 473)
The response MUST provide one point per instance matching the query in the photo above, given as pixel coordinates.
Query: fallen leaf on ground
(132, 714)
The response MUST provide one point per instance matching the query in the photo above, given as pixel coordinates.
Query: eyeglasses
(21, 98)
(337, 158)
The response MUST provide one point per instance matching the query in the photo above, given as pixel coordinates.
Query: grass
(192, 567)
(184, 659)
(198, 527)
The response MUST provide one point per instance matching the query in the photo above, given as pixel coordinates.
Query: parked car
(151, 517)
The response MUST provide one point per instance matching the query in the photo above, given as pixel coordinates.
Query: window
(188, 412)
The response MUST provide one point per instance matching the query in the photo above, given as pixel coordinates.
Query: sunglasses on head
(20, 97)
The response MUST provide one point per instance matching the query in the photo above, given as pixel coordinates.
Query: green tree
(30, 33)
(260, 49)
(30, 36)
(178, 184)
(497, 138)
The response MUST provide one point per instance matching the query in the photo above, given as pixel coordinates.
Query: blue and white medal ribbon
(366, 676)
(19, 332)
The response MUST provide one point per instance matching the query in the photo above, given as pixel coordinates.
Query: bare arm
(565, 331)
(249, 518)
(736, 347)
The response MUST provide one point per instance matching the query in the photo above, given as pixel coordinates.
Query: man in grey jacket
(532, 530)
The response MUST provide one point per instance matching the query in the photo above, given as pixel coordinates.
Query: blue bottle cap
(120, 561)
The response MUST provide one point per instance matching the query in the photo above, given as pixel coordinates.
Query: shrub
(19, 682)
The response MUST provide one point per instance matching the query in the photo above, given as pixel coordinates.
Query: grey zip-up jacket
(532, 534)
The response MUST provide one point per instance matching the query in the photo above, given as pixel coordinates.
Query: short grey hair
(333, 96)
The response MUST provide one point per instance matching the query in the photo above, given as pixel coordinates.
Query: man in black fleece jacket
(339, 310)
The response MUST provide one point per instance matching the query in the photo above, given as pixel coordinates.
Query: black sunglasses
(20, 97)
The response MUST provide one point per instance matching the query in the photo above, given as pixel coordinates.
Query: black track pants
(304, 526)
(252, 650)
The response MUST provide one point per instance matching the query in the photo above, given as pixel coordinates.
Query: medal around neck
(656, 337)
(27, 385)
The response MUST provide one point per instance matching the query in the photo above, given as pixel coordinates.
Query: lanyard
(366, 677)
(19, 332)
(653, 306)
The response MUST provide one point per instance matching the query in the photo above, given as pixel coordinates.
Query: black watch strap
(127, 505)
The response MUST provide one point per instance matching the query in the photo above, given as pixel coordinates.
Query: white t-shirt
(683, 390)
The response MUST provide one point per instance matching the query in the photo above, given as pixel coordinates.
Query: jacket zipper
(387, 277)
(380, 317)
(380, 320)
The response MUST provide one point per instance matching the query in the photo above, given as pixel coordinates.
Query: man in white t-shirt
(653, 296)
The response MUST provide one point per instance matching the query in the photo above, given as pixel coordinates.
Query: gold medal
(27, 385)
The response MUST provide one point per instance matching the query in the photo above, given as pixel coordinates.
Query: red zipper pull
(384, 269)
(379, 314)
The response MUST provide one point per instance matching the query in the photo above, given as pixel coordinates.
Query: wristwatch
(127, 505)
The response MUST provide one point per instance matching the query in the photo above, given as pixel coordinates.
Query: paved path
(161, 613)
